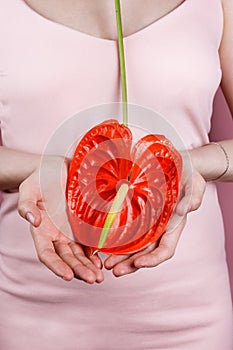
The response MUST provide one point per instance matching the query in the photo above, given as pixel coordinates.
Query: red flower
(104, 159)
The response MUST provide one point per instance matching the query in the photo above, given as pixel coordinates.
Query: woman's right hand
(44, 206)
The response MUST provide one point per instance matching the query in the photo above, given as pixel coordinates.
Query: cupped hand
(153, 255)
(42, 203)
(64, 257)
(193, 188)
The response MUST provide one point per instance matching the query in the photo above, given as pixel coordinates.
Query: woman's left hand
(165, 247)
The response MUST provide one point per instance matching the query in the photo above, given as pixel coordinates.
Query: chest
(97, 18)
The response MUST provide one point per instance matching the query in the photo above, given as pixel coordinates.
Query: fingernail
(141, 266)
(30, 218)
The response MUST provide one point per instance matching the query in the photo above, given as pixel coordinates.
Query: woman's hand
(153, 255)
(164, 249)
(193, 184)
(63, 256)
(42, 202)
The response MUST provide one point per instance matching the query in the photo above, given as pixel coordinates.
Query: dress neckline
(158, 21)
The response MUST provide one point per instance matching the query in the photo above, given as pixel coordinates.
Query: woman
(54, 58)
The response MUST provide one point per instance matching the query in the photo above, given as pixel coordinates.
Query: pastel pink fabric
(48, 73)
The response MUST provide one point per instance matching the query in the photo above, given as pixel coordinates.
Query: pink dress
(48, 72)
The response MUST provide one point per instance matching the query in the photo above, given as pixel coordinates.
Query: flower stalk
(123, 190)
(122, 62)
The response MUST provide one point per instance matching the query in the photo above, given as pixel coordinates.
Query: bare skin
(97, 18)
(65, 258)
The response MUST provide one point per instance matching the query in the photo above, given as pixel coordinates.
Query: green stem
(122, 62)
(123, 190)
(114, 210)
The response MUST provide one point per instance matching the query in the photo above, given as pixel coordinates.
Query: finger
(194, 191)
(86, 262)
(93, 257)
(83, 269)
(27, 205)
(126, 266)
(80, 271)
(47, 255)
(96, 261)
(198, 193)
(182, 207)
(164, 251)
(113, 260)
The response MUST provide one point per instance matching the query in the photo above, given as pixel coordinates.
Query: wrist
(15, 167)
(210, 160)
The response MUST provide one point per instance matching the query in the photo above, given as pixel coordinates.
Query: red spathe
(104, 159)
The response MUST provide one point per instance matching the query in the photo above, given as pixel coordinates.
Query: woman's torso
(49, 72)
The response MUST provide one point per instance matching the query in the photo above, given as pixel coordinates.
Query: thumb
(27, 204)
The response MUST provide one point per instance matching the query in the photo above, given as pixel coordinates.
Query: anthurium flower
(120, 196)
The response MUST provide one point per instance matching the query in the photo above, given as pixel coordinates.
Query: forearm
(210, 161)
(15, 167)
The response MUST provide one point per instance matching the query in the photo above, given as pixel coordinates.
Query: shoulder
(226, 52)
(227, 3)
(227, 6)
